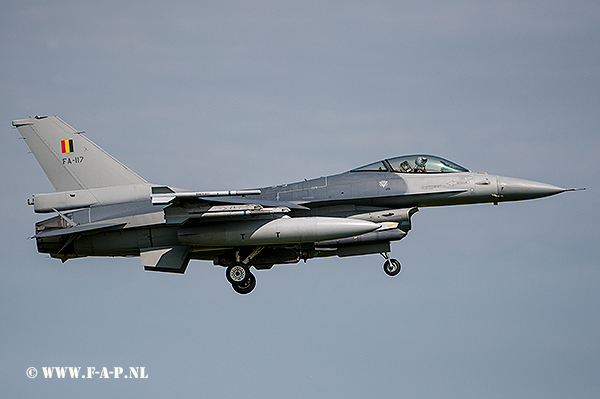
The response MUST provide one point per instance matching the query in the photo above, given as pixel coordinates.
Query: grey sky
(492, 302)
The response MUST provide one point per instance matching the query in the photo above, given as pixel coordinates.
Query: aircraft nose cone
(510, 188)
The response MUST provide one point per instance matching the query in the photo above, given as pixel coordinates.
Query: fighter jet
(103, 208)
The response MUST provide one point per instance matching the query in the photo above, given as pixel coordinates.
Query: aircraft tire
(392, 267)
(246, 287)
(237, 273)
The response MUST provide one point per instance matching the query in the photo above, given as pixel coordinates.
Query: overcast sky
(493, 302)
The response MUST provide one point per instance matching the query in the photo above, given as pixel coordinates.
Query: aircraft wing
(252, 201)
(163, 195)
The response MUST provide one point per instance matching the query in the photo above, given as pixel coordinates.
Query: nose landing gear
(391, 267)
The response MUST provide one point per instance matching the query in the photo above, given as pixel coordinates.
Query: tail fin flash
(70, 160)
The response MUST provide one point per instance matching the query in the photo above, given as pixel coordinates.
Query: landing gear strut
(239, 276)
(391, 266)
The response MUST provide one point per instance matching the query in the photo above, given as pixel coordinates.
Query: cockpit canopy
(413, 164)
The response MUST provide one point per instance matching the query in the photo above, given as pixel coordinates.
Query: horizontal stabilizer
(80, 229)
(166, 259)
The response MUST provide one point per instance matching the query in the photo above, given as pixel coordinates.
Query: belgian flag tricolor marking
(67, 146)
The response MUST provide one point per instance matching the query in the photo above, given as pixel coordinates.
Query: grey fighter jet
(104, 209)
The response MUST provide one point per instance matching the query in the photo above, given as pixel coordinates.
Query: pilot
(420, 163)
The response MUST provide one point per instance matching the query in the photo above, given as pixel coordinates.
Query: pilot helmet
(421, 161)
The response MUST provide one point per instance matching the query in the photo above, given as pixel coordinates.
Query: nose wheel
(391, 267)
(241, 279)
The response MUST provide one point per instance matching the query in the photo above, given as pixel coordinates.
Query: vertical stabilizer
(70, 160)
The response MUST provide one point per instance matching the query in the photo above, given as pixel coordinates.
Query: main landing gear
(241, 279)
(391, 266)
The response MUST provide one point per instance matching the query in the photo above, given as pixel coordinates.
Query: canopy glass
(413, 164)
